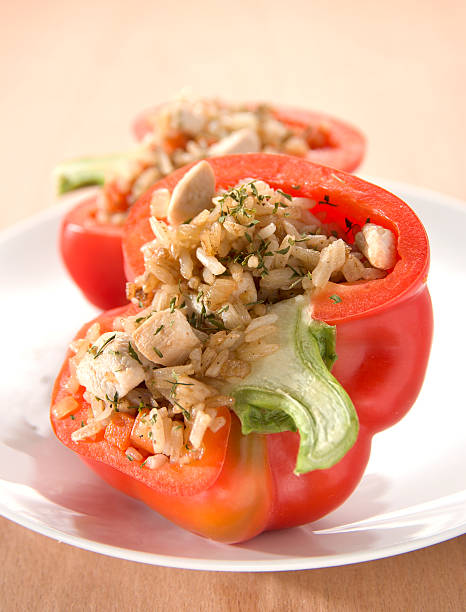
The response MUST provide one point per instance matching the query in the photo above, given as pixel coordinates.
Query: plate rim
(223, 565)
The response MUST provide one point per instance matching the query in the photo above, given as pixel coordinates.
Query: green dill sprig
(114, 401)
(100, 351)
(327, 202)
(285, 195)
(141, 319)
(158, 352)
(132, 353)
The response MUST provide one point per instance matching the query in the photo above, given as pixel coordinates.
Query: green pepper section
(293, 390)
(76, 173)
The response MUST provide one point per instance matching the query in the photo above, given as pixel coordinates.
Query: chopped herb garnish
(158, 330)
(106, 343)
(285, 195)
(223, 309)
(133, 354)
(368, 220)
(82, 423)
(175, 384)
(115, 400)
(296, 187)
(254, 303)
(159, 353)
(143, 463)
(188, 221)
(129, 457)
(283, 251)
(172, 304)
(72, 417)
(295, 272)
(238, 195)
(336, 299)
(326, 201)
(141, 406)
(186, 414)
(215, 322)
(349, 224)
(248, 237)
(140, 319)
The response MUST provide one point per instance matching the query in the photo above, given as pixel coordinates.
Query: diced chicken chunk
(112, 367)
(378, 245)
(241, 141)
(192, 194)
(166, 338)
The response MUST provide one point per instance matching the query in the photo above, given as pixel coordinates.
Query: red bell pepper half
(245, 484)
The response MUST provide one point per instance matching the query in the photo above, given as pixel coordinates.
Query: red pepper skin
(344, 147)
(384, 332)
(92, 254)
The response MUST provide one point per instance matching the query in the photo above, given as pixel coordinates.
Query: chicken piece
(241, 141)
(166, 338)
(112, 367)
(378, 245)
(192, 194)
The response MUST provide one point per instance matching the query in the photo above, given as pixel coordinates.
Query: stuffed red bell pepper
(173, 135)
(211, 397)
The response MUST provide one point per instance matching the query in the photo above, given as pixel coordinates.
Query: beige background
(74, 74)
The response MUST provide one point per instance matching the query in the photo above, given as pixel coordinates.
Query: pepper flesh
(384, 332)
(92, 255)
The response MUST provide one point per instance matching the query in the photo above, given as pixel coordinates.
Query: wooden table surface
(74, 74)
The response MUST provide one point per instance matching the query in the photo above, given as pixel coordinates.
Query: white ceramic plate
(412, 494)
